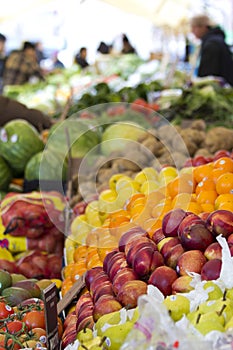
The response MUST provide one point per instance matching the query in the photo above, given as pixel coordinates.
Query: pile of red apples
(185, 243)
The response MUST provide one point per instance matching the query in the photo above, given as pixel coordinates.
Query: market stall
(117, 222)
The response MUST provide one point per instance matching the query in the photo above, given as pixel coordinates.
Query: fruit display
(156, 237)
(22, 318)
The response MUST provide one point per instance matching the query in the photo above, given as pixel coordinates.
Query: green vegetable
(5, 174)
(19, 141)
(46, 165)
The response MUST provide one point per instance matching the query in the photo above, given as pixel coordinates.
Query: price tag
(50, 305)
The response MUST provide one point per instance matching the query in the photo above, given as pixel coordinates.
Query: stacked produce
(156, 229)
(22, 319)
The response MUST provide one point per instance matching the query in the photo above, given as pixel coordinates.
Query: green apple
(112, 318)
(229, 324)
(177, 305)
(224, 307)
(193, 316)
(204, 327)
(212, 316)
(85, 335)
(115, 335)
(229, 293)
(214, 291)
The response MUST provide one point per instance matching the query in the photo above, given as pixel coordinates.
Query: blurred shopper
(104, 48)
(215, 57)
(56, 63)
(126, 45)
(22, 66)
(11, 109)
(81, 58)
(39, 51)
(2, 59)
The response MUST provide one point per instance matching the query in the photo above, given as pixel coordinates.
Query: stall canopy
(168, 13)
(11, 9)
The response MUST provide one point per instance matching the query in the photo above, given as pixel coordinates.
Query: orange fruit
(226, 206)
(132, 200)
(225, 163)
(103, 251)
(182, 200)
(223, 198)
(94, 261)
(118, 220)
(202, 171)
(216, 173)
(182, 184)
(195, 208)
(161, 208)
(207, 207)
(224, 183)
(207, 197)
(80, 252)
(66, 285)
(207, 184)
(68, 270)
(78, 270)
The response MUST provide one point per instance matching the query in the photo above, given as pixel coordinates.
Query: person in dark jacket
(215, 56)
(81, 58)
(11, 109)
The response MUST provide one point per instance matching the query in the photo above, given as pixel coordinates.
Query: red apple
(213, 251)
(204, 216)
(190, 261)
(129, 235)
(171, 222)
(221, 153)
(104, 305)
(163, 278)
(136, 247)
(130, 291)
(116, 267)
(87, 322)
(69, 336)
(112, 259)
(145, 261)
(138, 241)
(124, 275)
(230, 239)
(188, 221)
(85, 311)
(211, 269)
(166, 247)
(220, 222)
(70, 319)
(102, 289)
(84, 298)
(171, 257)
(158, 235)
(182, 285)
(98, 280)
(196, 237)
(90, 274)
(199, 160)
(108, 257)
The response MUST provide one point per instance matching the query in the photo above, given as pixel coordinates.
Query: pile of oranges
(200, 189)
